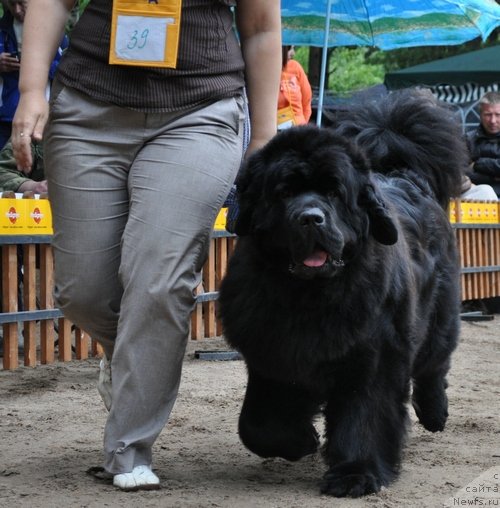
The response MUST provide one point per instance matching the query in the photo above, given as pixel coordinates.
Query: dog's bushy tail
(409, 131)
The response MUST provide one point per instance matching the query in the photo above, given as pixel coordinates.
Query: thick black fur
(343, 288)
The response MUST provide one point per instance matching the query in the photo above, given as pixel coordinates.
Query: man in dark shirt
(484, 146)
(484, 143)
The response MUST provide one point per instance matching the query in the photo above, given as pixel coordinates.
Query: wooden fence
(477, 228)
(204, 322)
(46, 332)
(479, 247)
(42, 327)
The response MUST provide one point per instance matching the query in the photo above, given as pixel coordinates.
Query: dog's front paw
(275, 440)
(342, 482)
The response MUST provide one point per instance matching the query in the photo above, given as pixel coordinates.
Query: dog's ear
(382, 226)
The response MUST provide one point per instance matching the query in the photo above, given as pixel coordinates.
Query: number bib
(145, 33)
(286, 118)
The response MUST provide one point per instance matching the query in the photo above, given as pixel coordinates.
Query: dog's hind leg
(276, 419)
(429, 375)
(429, 398)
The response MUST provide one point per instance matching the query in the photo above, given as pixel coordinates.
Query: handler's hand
(255, 144)
(28, 125)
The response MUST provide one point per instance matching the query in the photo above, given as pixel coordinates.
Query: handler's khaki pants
(134, 197)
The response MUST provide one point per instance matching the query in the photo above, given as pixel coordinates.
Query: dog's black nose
(312, 217)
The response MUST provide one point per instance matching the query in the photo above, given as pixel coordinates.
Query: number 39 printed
(138, 41)
(141, 38)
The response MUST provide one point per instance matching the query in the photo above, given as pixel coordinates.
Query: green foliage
(302, 56)
(352, 69)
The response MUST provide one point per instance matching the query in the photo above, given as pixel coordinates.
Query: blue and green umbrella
(387, 24)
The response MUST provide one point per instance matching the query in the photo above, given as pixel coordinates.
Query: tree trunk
(314, 69)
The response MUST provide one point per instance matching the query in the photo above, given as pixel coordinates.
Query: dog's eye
(284, 193)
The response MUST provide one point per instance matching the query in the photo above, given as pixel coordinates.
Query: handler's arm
(42, 32)
(259, 27)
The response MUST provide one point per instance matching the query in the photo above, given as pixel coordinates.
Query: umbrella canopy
(387, 24)
(481, 67)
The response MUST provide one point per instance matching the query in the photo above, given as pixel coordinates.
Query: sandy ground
(51, 423)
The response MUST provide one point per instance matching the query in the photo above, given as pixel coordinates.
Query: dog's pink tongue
(317, 258)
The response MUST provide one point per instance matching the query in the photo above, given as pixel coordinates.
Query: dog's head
(309, 201)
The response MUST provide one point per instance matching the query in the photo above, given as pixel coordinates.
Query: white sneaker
(141, 478)
(104, 383)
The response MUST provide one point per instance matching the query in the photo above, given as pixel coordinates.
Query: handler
(142, 144)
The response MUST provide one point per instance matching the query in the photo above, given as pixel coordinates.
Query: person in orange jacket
(294, 101)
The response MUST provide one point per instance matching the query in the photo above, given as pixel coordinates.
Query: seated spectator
(484, 143)
(484, 146)
(11, 179)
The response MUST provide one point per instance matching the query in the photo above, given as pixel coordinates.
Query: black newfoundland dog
(343, 291)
